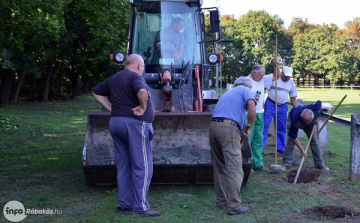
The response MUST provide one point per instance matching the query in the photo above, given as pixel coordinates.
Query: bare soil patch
(331, 212)
(305, 176)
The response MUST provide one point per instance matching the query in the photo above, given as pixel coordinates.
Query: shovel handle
(331, 114)
(303, 158)
(245, 130)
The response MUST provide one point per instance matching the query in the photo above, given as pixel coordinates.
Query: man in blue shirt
(303, 117)
(227, 123)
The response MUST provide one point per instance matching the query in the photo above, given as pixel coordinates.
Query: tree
(255, 40)
(320, 53)
(351, 35)
(97, 29)
(230, 65)
(51, 44)
(27, 29)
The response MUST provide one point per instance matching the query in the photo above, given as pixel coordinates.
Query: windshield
(164, 33)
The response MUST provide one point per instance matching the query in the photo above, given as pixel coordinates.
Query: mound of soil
(187, 156)
(331, 212)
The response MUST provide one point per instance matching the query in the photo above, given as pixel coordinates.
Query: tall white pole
(218, 65)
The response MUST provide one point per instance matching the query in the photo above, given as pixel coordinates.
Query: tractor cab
(176, 40)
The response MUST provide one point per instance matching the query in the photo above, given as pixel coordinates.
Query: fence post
(354, 174)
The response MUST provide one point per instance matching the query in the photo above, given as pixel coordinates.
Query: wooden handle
(303, 157)
(243, 138)
(331, 114)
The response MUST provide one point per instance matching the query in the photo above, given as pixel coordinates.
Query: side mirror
(214, 21)
(209, 24)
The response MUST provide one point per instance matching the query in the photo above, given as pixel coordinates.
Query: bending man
(303, 117)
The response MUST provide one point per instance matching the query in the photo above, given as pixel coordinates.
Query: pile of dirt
(180, 155)
(100, 154)
(331, 212)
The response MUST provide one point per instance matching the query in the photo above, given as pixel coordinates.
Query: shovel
(303, 157)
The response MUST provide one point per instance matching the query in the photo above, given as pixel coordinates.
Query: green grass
(41, 166)
(350, 105)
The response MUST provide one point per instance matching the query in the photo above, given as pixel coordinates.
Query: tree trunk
(74, 85)
(47, 79)
(316, 81)
(73, 79)
(18, 84)
(5, 87)
(85, 86)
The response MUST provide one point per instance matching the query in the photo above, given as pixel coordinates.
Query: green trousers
(256, 141)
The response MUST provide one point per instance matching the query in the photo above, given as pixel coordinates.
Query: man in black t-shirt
(130, 125)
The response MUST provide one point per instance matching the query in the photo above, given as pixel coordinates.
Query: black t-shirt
(122, 88)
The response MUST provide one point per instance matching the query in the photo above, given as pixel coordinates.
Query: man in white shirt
(285, 88)
(260, 81)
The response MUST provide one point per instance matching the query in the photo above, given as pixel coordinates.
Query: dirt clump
(331, 212)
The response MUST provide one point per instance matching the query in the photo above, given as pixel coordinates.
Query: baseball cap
(288, 71)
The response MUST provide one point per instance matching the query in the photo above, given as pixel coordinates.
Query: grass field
(40, 166)
(350, 105)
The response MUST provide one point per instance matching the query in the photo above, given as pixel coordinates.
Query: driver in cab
(170, 41)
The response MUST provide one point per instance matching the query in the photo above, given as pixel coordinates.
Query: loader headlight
(215, 58)
(117, 57)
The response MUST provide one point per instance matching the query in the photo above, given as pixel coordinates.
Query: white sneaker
(284, 167)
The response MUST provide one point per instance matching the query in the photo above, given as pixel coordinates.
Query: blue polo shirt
(295, 115)
(232, 105)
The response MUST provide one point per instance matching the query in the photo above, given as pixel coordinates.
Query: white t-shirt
(260, 86)
(285, 89)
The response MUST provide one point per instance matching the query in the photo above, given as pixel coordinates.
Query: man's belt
(275, 103)
(227, 121)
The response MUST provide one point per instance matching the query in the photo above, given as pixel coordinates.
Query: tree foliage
(315, 52)
(255, 43)
(51, 48)
(58, 45)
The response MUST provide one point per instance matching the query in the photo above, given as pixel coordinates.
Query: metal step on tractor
(181, 151)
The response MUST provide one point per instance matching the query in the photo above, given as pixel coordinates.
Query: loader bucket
(181, 150)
